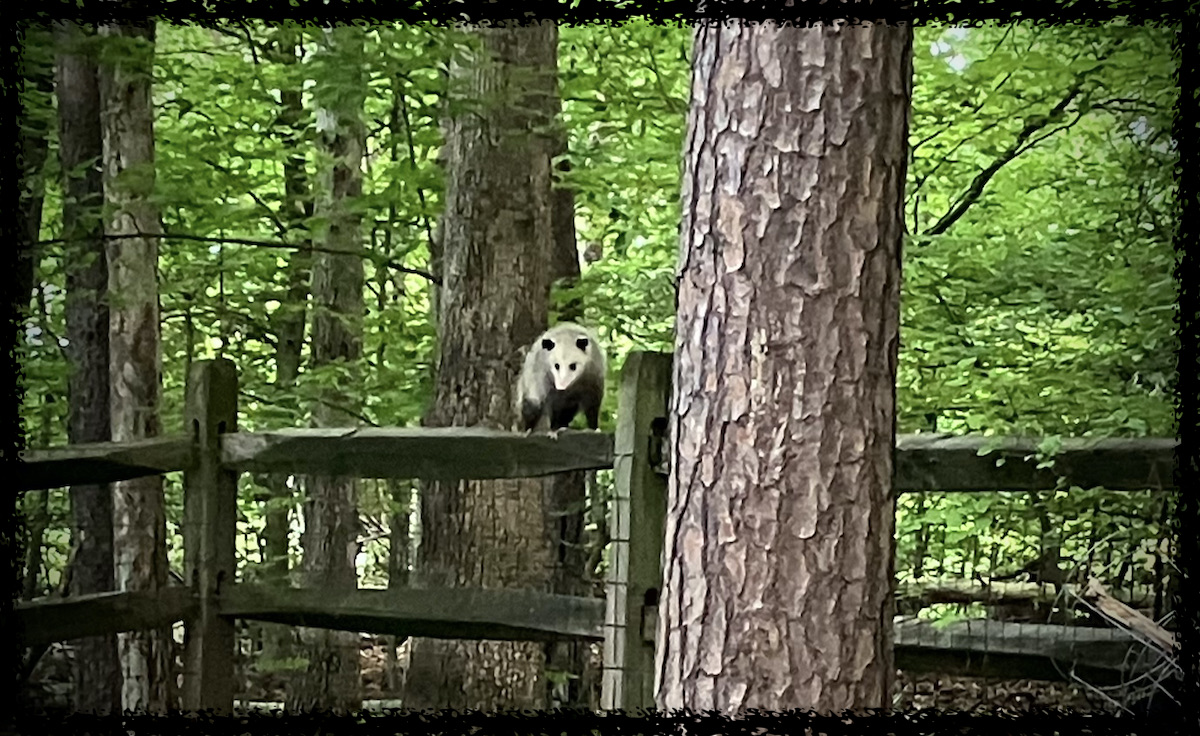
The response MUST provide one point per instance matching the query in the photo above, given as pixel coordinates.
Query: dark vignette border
(1187, 390)
(11, 439)
(585, 11)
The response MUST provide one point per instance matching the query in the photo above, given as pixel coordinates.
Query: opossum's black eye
(557, 367)
(573, 365)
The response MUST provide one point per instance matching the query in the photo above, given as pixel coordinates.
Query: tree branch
(330, 404)
(975, 190)
(364, 254)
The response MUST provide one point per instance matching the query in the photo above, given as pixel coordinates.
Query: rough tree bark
(496, 242)
(331, 505)
(135, 367)
(97, 672)
(779, 536)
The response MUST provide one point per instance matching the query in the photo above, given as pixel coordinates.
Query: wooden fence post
(639, 507)
(209, 529)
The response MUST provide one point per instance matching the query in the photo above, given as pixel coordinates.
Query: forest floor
(382, 684)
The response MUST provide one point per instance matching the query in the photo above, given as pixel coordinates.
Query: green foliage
(1046, 308)
(1037, 294)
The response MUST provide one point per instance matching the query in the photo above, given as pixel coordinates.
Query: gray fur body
(563, 374)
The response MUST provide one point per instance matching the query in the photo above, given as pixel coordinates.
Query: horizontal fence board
(923, 462)
(1009, 650)
(953, 463)
(934, 591)
(969, 647)
(439, 613)
(1016, 650)
(102, 462)
(46, 620)
(470, 453)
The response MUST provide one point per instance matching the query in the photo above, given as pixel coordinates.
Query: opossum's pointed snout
(562, 381)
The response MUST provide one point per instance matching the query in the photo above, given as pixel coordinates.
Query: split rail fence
(212, 452)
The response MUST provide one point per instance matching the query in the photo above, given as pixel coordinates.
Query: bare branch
(975, 190)
(364, 254)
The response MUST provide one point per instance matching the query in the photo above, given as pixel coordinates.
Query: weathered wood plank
(101, 462)
(933, 591)
(937, 462)
(440, 453)
(928, 462)
(923, 462)
(439, 613)
(209, 533)
(47, 620)
(1108, 606)
(1013, 650)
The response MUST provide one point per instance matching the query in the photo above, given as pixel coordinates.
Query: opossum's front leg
(531, 413)
(591, 412)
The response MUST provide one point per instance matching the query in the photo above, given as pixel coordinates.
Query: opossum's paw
(554, 433)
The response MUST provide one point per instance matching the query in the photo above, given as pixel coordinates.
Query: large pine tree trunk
(331, 504)
(97, 669)
(496, 246)
(779, 531)
(135, 368)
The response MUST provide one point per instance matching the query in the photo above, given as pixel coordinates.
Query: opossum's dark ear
(582, 343)
(547, 344)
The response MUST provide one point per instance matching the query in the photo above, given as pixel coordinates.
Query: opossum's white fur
(563, 374)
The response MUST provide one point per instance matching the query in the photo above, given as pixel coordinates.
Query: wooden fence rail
(102, 462)
(46, 620)
(924, 462)
(439, 613)
(976, 647)
(927, 462)
(212, 453)
(441, 453)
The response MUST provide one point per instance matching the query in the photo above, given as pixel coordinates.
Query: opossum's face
(567, 359)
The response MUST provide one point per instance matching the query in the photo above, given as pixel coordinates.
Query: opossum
(562, 375)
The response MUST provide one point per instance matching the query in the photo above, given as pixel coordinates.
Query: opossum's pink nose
(562, 381)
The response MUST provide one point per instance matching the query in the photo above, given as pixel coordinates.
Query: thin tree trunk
(135, 367)
(779, 532)
(97, 671)
(331, 506)
(496, 241)
(37, 517)
(567, 662)
(33, 147)
(37, 503)
(564, 258)
(399, 563)
(289, 321)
